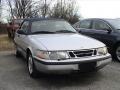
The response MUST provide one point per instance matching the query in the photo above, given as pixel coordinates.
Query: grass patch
(6, 44)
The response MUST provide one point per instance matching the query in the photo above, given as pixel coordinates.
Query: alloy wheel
(118, 53)
(30, 64)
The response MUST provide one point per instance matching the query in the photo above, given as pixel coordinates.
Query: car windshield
(51, 26)
(115, 23)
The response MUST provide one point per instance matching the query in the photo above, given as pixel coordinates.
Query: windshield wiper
(42, 32)
(48, 32)
(65, 31)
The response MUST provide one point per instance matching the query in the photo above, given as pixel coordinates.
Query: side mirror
(109, 31)
(21, 32)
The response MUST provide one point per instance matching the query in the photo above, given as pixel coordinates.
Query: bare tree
(20, 8)
(65, 9)
(43, 8)
(10, 8)
(28, 8)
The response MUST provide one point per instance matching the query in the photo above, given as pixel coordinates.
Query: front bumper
(69, 65)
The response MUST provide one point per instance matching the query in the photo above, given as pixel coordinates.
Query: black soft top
(40, 19)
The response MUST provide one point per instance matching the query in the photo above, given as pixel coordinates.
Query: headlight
(42, 54)
(58, 55)
(53, 55)
(102, 51)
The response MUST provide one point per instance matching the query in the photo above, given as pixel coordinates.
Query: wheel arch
(29, 50)
(116, 44)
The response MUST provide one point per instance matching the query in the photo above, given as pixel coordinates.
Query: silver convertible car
(54, 46)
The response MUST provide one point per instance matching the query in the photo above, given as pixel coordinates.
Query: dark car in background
(105, 30)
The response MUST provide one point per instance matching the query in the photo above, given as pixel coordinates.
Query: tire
(18, 54)
(31, 67)
(116, 53)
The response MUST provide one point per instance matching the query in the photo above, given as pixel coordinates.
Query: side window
(25, 26)
(85, 24)
(100, 25)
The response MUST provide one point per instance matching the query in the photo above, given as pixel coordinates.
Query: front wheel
(117, 52)
(17, 52)
(31, 67)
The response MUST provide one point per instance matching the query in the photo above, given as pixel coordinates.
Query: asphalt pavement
(14, 76)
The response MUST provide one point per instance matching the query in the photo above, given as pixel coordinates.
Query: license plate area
(87, 66)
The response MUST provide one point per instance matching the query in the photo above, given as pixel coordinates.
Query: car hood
(66, 41)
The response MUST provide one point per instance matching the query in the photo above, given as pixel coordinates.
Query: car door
(103, 32)
(22, 38)
(85, 28)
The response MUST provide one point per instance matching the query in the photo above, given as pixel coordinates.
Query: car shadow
(63, 80)
(72, 79)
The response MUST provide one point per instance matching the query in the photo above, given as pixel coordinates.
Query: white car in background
(54, 46)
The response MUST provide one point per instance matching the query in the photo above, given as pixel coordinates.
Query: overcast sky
(99, 8)
(96, 8)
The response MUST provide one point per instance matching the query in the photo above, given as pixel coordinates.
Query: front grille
(82, 53)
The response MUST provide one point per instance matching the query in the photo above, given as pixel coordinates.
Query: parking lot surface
(14, 76)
